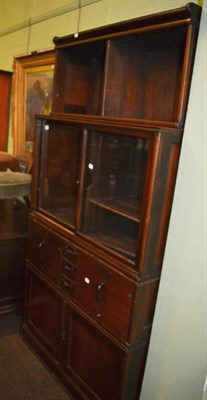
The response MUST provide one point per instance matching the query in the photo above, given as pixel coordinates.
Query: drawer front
(70, 253)
(105, 294)
(68, 286)
(44, 251)
(69, 269)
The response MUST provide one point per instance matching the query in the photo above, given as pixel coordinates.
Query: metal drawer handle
(69, 267)
(71, 251)
(99, 294)
(68, 284)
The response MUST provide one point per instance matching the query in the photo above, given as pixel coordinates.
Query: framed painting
(32, 94)
(5, 90)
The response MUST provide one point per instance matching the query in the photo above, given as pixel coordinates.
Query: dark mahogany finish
(126, 61)
(105, 166)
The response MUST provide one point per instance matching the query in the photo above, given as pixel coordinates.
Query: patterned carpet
(23, 377)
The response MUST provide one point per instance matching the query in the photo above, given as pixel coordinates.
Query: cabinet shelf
(117, 242)
(62, 214)
(120, 206)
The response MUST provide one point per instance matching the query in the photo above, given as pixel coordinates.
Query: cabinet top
(190, 14)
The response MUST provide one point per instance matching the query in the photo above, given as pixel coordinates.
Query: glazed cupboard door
(128, 182)
(59, 166)
(114, 183)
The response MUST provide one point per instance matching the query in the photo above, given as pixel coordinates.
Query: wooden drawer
(68, 286)
(44, 251)
(69, 252)
(105, 294)
(69, 269)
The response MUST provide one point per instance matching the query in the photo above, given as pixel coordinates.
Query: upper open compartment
(143, 75)
(78, 79)
(140, 69)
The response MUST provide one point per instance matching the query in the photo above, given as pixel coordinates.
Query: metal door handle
(99, 294)
(40, 247)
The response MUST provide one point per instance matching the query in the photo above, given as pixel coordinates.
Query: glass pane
(60, 171)
(113, 190)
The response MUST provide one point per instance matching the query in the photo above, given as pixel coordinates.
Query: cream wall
(176, 365)
(49, 18)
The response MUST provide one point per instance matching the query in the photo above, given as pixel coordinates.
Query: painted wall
(176, 365)
(177, 361)
(28, 25)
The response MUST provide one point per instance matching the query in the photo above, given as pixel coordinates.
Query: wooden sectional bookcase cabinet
(105, 166)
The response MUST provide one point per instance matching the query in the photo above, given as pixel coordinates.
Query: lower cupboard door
(91, 360)
(43, 314)
(98, 367)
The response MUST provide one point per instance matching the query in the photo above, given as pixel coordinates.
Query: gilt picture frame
(32, 95)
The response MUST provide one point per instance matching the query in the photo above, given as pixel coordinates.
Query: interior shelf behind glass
(114, 182)
(124, 206)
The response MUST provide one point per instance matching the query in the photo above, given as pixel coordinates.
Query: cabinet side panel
(91, 360)
(143, 311)
(160, 208)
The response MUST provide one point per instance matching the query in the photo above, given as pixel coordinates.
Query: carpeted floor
(22, 375)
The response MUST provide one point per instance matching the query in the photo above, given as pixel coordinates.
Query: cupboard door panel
(91, 360)
(105, 294)
(43, 313)
(99, 367)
